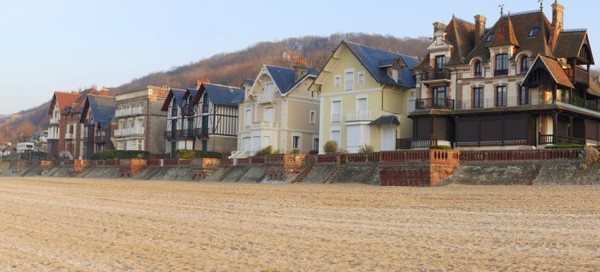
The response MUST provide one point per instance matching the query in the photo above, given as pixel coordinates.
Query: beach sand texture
(51, 224)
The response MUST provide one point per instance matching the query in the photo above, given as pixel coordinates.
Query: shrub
(445, 147)
(295, 151)
(330, 147)
(192, 154)
(565, 146)
(265, 151)
(120, 154)
(366, 149)
(313, 152)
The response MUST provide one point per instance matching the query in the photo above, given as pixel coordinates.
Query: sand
(106, 225)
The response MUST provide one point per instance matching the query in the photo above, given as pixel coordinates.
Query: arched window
(478, 69)
(524, 64)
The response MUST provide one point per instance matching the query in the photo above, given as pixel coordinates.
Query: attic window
(490, 37)
(534, 31)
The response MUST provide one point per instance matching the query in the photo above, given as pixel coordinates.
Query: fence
(521, 155)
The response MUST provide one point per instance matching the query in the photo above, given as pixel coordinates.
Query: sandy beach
(105, 225)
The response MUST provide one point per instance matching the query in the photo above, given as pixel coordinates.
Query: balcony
(188, 111)
(435, 74)
(264, 125)
(265, 98)
(52, 136)
(185, 133)
(579, 76)
(438, 103)
(129, 111)
(501, 72)
(201, 132)
(174, 112)
(54, 121)
(100, 139)
(359, 116)
(129, 131)
(69, 136)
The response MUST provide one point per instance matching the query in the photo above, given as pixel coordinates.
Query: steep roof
(285, 78)
(102, 107)
(461, 35)
(63, 99)
(515, 30)
(375, 60)
(178, 95)
(570, 43)
(218, 94)
(553, 67)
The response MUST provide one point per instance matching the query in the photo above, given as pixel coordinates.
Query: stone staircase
(336, 172)
(303, 174)
(226, 173)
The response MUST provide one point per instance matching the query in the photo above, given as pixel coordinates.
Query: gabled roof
(219, 94)
(553, 68)
(285, 78)
(374, 60)
(176, 94)
(63, 99)
(102, 107)
(515, 31)
(570, 43)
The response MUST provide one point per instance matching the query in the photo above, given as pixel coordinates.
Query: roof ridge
(221, 85)
(527, 12)
(382, 50)
(572, 30)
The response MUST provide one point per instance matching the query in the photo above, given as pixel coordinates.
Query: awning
(386, 120)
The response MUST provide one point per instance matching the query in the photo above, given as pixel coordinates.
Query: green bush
(120, 154)
(330, 147)
(445, 147)
(265, 151)
(192, 154)
(565, 146)
(366, 149)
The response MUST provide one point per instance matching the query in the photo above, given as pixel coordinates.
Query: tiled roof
(504, 33)
(64, 100)
(375, 61)
(553, 67)
(461, 34)
(218, 94)
(285, 78)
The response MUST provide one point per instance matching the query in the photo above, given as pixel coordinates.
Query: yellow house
(279, 111)
(364, 97)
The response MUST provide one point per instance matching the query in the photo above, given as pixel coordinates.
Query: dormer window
(501, 65)
(534, 31)
(395, 73)
(490, 38)
(478, 69)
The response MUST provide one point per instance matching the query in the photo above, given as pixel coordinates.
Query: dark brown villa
(523, 82)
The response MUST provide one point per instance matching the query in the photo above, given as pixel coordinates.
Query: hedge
(120, 154)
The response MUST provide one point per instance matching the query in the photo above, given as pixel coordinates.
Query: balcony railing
(69, 136)
(54, 121)
(501, 72)
(264, 125)
(438, 103)
(581, 75)
(359, 116)
(265, 98)
(100, 139)
(202, 132)
(435, 74)
(129, 111)
(188, 111)
(129, 131)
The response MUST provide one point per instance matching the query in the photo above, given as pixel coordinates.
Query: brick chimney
(300, 68)
(202, 80)
(558, 11)
(105, 92)
(479, 28)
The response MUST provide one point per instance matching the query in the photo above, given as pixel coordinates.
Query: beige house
(139, 121)
(365, 95)
(279, 111)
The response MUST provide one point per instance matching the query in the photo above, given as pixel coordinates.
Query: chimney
(300, 68)
(437, 26)
(558, 11)
(105, 92)
(479, 28)
(202, 80)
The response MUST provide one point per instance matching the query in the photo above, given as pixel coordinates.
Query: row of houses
(524, 82)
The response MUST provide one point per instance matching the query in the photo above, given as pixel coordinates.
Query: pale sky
(50, 45)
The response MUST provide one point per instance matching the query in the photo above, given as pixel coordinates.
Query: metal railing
(129, 111)
(265, 98)
(431, 103)
(129, 131)
(435, 74)
(359, 116)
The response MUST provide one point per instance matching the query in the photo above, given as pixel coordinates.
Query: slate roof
(219, 94)
(570, 43)
(376, 61)
(178, 95)
(385, 120)
(285, 78)
(102, 107)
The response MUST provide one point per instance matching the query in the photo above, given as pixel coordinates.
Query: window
(489, 38)
(477, 98)
(534, 31)
(296, 142)
(269, 91)
(501, 96)
(362, 109)
(315, 144)
(336, 111)
(439, 97)
(269, 115)
(501, 64)
(395, 73)
(361, 78)
(248, 117)
(312, 117)
(524, 64)
(336, 136)
(349, 80)
(478, 69)
(524, 96)
(337, 81)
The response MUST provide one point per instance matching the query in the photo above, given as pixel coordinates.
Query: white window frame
(312, 117)
(348, 80)
(248, 118)
(339, 114)
(296, 141)
(395, 74)
(338, 141)
(361, 78)
(337, 81)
